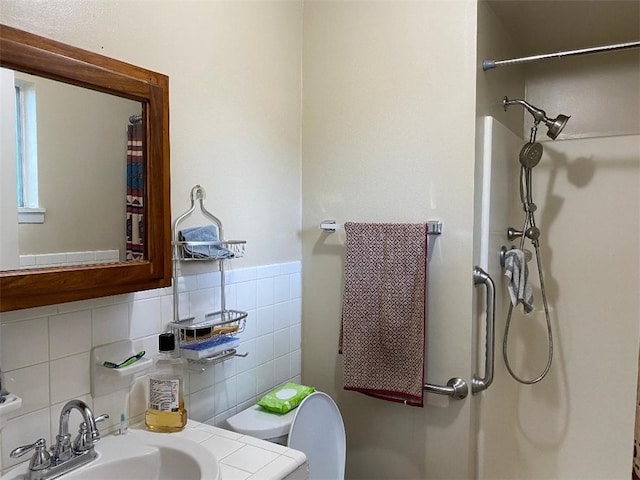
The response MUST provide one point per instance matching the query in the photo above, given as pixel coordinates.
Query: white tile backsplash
(31, 384)
(264, 292)
(69, 333)
(110, 324)
(69, 377)
(146, 317)
(25, 343)
(46, 350)
(264, 320)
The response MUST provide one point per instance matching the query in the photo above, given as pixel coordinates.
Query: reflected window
(29, 210)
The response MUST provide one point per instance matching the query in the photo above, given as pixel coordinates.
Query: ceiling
(547, 26)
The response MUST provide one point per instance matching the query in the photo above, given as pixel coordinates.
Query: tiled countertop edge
(242, 457)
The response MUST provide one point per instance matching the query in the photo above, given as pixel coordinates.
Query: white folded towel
(516, 270)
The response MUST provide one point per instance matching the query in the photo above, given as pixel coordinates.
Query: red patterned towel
(383, 312)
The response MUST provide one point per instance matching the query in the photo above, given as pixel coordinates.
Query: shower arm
(538, 114)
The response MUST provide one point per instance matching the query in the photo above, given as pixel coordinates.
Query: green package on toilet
(286, 398)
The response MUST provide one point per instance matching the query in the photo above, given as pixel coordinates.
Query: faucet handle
(82, 442)
(41, 458)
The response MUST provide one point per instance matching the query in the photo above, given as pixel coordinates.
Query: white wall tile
(245, 363)
(156, 292)
(69, 333)
(28, 313)
(264, 349)
(246, 292)
(282, 315)
(281, 341)
(246, 385)
(268, 271)
(264, 292)
(295, 285)
(281, 288)
(146, 317)
(113, 405)
(231, 296)
(296, 337)
(199, 381)
(87, 304)
(70, 377)
(201, 404)
(110, 324)
(264, 320)
(282, 369)
(138, 397)
(225, 370)
(241, 275)
(265, 378)
(24, 343)
(166, 311)
(250, 328)
(296, 312)
(225, 396)
(296, 363)
(208, 280)
(204, 301)
(291, 267)
(31, 384)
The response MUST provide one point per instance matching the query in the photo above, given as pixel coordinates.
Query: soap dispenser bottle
(165, 411)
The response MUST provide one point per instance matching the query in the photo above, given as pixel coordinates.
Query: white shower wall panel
(577, 422)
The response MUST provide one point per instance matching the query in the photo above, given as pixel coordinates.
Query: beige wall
(389, 136)
(234, 73)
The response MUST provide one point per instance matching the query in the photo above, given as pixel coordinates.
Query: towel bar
(434, 227)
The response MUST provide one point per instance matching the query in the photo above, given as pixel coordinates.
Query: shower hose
(529, 230)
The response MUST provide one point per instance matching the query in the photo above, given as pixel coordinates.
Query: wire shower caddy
(225, 322)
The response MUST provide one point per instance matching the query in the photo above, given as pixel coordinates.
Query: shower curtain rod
(490, 64)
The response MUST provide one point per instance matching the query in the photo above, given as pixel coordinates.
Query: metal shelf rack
(217, 324)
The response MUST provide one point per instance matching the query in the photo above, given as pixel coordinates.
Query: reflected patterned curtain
(135, 192)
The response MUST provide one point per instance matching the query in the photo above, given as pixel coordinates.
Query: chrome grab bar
(456, 388)
(479, 384)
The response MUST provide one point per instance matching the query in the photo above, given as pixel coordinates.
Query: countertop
(242, 457)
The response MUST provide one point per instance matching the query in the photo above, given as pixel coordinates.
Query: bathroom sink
(142, 455)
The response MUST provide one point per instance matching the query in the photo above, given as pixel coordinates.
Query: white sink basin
(142, 455)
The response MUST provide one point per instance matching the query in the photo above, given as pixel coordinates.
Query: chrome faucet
(64, 456)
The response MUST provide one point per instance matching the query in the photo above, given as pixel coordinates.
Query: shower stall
(579, 344)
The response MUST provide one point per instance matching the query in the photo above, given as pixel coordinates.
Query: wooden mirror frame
(29, 53)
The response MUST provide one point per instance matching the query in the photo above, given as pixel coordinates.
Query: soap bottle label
(164, 395)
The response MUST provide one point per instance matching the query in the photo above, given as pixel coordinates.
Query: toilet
(315, 428)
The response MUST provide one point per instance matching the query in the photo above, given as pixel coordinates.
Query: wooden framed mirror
(41, 57)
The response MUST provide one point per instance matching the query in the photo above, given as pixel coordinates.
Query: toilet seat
(317, 430)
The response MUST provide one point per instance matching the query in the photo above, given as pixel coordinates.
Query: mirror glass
(75, 149)
(84, 153)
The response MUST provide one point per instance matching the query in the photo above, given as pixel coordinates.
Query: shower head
(554, 125)
(530, 154)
